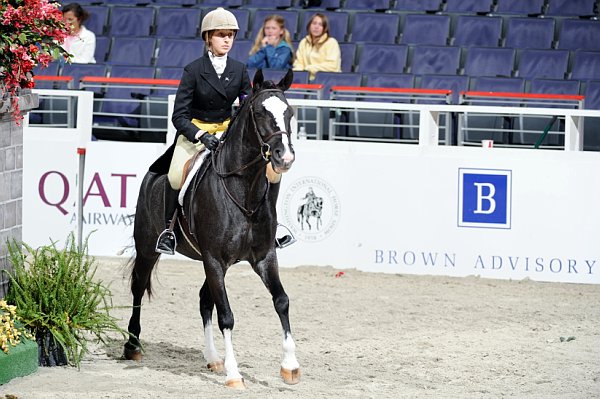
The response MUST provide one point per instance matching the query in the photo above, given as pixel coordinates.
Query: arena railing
(55, 110)
(515, 131)
(381, 125)
(429, 116)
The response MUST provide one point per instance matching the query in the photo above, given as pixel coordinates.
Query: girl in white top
(81, 44)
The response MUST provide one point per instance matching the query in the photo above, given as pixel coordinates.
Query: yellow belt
(210, 127)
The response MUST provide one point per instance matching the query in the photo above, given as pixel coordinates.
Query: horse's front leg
(213, 359)
(268, 270)
(215, 277)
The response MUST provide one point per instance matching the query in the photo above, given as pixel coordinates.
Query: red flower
(32, 31)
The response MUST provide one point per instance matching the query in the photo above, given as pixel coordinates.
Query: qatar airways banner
(497, 213)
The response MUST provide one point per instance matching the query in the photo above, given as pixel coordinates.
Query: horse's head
(274, 120)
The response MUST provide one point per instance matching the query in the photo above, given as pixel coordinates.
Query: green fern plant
(55, 291)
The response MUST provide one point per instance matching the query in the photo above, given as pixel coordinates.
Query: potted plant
(59, 301)
(18, 350)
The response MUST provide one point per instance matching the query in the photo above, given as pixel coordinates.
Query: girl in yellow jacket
(318, 51)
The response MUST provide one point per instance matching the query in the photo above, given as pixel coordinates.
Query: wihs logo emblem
(484, 198)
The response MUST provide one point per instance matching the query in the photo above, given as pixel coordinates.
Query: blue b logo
(484, 198)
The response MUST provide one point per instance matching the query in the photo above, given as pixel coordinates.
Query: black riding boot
(167, 242)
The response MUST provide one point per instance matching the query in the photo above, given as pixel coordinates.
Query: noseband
(264, 155)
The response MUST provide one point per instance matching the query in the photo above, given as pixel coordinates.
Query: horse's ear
(286, 82)
(258, 80)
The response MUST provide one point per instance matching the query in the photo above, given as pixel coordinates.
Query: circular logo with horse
(312, 208)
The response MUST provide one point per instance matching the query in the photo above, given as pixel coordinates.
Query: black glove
(210, 141)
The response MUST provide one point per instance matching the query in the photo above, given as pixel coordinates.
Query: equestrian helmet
(219, 18)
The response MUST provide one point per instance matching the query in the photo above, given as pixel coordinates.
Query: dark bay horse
(228, 215)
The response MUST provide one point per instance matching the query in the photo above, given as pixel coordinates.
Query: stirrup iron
(286, 240)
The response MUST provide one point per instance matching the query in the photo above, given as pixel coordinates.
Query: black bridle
(264, 155)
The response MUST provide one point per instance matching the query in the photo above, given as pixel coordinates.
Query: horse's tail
(140, 273)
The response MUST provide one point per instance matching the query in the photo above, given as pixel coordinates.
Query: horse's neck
(242, 149)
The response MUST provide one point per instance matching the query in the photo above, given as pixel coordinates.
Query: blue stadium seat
(338, 24)
(592, 96)
(570, 8)
(504, 85)
(417, 5)
(132, 51)
(368, 5)
(443, 60)
(219, 3)
(520, 7)
(175, 2)
(389, 80)
(383, 58)
(375, 27)
(586, 65)
(331, 4)
(51, 70)
(177, 22)
(530, 33)
(290, 16)
(348, 51)
(591, 138)
(178, 52)
(125, 93)
(579, 34)
(328, 79)
(102, 47)
(456, 83)
(241, 50)
(97, 20)
(469, 6)
(243, 18)
(425, 29)
(473, 30)
(300, 77)
(77, 71)
(554, 86)
(169, 73)
(551, 64)
(269, 3)
(131, 21)
(489, 61)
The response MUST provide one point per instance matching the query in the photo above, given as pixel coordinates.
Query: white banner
(498, 213)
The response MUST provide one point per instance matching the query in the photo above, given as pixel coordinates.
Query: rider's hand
(210, 141)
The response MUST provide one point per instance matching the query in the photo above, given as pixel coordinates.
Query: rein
(264, 156)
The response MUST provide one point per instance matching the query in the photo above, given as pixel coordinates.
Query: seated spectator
(318, 51)
(81, 44)
(273, 45)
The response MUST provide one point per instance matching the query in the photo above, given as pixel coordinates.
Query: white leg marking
(231, 367)
(277, 108)
(210, 351)
(289, 353)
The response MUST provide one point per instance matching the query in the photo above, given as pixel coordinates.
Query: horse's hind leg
(268, 270)
(212, 357)
(140, 282)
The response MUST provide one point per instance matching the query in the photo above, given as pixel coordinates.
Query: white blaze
(277, 108)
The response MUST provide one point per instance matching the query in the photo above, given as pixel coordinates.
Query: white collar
(219, 63)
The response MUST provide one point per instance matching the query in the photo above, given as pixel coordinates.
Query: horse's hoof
(132, 354)
(291, 377)
(216, 367)
(236, 383)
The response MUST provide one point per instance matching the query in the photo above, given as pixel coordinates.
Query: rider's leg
(167, 242)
